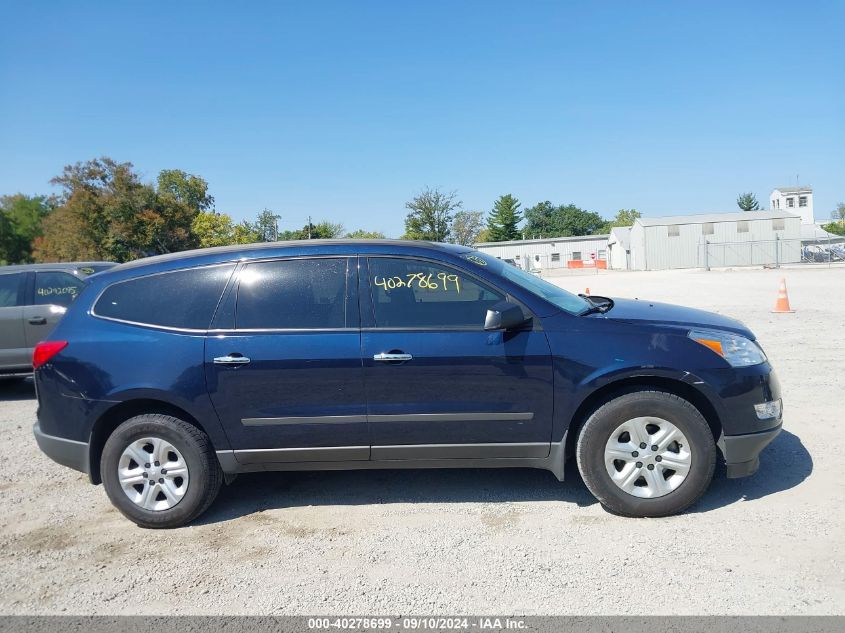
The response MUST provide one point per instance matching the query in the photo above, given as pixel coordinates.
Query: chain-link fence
(823, 251)
(770, 252)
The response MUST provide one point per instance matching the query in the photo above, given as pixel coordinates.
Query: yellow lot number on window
(423, 281)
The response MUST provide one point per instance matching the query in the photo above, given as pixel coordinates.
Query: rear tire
(646, 454)
(134, 469)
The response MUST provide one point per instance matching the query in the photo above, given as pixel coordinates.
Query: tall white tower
(798, 200)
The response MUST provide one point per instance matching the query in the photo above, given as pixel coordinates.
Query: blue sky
(345, 110)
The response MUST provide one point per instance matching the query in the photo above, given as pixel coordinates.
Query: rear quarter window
(183, 299)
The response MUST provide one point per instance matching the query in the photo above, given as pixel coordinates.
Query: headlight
(737, 350)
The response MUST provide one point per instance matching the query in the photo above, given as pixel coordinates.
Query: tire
(645, 484)
(173, 499)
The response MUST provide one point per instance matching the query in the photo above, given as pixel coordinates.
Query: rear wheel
(159, 471)
(646, 454)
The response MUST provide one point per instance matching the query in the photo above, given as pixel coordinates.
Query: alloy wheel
(153, 474)
(647, 457)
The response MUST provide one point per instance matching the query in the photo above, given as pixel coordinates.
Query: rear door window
(10, 286)
(56, 288)
(293, 294)
(183, 299)
(410, 293)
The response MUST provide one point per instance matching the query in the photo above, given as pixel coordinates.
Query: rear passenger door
(14, 354)
(283, 365)
(53, 292)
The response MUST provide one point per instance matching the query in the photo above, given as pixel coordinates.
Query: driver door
(440, 386)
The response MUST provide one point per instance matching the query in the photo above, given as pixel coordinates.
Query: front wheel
(159, 471)
(646, 454)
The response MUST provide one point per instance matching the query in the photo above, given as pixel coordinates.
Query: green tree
(244, 233)
(103, 206)
(624, 217)
(326, 230)
(503, 220)
(21, 219)
(179, 198)
(218, 229)
(547, 220)
(106, 212)
(266, 226)
(430, 215)
(361, 234)
(748, 202)
(837, 223)
(176, 186)
(321, 231)
(466, 227)
(540, 220)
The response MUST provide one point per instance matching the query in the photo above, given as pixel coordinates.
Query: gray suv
(33, 297)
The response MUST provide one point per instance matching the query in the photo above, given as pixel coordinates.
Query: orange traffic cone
(587, 292)
(782, 303)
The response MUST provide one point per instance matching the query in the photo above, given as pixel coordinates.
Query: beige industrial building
(741, 238)
(557, 252)
(713, 240)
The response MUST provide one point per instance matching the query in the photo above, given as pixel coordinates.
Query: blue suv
(170, 375)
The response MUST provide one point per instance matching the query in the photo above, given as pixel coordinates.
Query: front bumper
(742, 452)
(66, 452)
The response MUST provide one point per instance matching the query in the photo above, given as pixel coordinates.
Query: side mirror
(504, 316)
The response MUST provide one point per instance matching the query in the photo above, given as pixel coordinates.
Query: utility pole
(309, 227)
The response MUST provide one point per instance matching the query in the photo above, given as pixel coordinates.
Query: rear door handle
(38, 320)
(231, 359)
(392, 357)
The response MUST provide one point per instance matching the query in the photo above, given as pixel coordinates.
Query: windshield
(532, 283)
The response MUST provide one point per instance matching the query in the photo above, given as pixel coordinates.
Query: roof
(235, 251)
(815, 232)
(796, 189)
(53, 266)
(733, 216)
(622, 235)
(546, 240)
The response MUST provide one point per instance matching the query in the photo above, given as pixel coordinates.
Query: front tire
(646, 454)
(160, 471)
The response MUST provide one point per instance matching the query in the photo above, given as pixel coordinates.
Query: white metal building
(619, 248)
(795, 200)
(554, 252)
(740, 238)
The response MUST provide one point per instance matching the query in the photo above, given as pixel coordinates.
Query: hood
(638, 310)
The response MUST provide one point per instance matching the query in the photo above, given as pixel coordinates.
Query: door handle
(392, 357)
(38, 320)
(231, 359)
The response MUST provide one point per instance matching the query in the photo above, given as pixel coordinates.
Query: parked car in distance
(33, 297)
(170, 375)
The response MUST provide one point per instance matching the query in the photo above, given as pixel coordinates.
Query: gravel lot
(472, 541)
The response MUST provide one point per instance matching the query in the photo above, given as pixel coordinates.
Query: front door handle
(38, 320)
(392, 357)
(231, 359)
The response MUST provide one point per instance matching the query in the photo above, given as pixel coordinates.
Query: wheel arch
(633, 384)
(119, 413)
